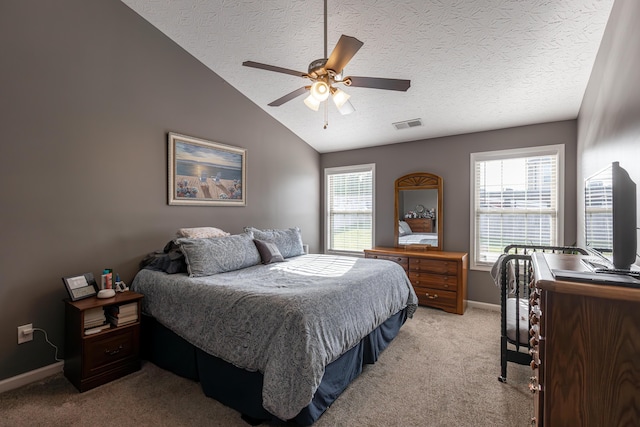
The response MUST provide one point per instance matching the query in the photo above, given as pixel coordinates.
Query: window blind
(516, 201)
(599, 212)
(349, 195)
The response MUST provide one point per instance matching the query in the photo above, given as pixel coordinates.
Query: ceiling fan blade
(379, 83)
(288, 97)
(343, 52)
(273, 68)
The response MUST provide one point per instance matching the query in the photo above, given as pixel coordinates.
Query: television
(610, 215)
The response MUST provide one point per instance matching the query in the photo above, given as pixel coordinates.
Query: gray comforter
(287, 320)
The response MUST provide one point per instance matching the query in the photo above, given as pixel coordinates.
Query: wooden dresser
(439, 278)
(420, 225)
(586, 349)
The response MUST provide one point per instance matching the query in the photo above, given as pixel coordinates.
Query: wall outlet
(25, 337)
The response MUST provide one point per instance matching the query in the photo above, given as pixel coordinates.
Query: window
(349, 208)
(517, 197)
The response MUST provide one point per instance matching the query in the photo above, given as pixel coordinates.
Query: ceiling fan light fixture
(346, 108)
(320, 91)
(311, 102)
(339, 97)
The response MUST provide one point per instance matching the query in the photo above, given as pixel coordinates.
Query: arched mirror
(418, 211)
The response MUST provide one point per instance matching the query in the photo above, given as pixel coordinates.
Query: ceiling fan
(325, 73)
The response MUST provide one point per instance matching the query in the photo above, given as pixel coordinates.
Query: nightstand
(96, 358)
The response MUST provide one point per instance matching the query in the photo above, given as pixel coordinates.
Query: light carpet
(441, 370)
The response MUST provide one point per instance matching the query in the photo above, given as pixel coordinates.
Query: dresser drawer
(436, 281)
(105, 352)
(433, 266)
(402, 260)
(433, 272)
(436, 297)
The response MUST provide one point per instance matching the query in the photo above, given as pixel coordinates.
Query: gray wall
(88, 93)
(609, 120)
(449, 158)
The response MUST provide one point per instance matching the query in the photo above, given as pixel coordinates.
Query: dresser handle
(434, 296)
(114, 352)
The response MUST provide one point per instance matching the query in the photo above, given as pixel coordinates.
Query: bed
(406, 236)
(419, 239)
(272, 339)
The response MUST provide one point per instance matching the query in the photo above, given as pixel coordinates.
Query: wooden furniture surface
(586, 352)
(438, 278)
(93, 360)
(420, 225)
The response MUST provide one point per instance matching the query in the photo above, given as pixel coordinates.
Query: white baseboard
(30, 377)
(483, 305)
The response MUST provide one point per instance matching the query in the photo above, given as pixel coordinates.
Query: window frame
(556, 150)
(327, 213)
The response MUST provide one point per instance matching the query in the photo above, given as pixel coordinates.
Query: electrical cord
(46, 338)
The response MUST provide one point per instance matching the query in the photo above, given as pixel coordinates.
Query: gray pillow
(404, 228)
(205, 257)
(268, 251)
(288, 241)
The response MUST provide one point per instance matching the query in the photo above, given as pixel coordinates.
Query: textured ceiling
(474, 65)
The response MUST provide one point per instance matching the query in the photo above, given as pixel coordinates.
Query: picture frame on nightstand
(80, 287)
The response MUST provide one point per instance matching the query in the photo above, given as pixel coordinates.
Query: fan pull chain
(326, 114)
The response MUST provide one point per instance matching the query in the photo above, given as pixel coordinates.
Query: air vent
(408, 124)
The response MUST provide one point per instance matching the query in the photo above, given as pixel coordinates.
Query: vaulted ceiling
(474, 65)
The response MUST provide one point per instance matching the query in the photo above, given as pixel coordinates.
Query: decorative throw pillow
(205, 257)
(201, 232)
(288, 241)
(268, 251)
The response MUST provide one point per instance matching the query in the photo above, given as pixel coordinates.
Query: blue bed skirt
(241, 389)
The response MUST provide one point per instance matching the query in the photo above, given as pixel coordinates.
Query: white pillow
(201, 232)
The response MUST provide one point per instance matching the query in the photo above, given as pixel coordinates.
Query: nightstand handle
(114, 352)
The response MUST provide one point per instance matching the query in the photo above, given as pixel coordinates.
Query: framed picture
(80, 287)
(205, 173)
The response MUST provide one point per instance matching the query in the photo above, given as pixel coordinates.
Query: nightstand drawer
(437, 281)
(105, 352)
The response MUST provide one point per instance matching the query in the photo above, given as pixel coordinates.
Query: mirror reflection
(417, 215)
(418, 211)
